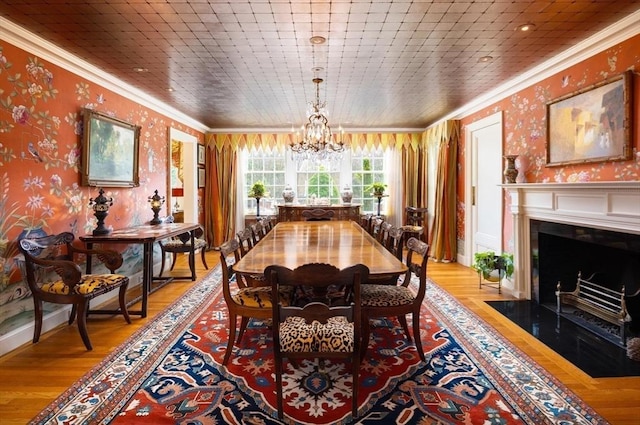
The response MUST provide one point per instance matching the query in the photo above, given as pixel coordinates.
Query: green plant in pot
(488, 263)
(378, 188)
(258, 190)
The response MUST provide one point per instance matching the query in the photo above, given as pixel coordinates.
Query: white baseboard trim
(24, 334)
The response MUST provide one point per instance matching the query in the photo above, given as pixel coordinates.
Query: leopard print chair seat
(298, 336)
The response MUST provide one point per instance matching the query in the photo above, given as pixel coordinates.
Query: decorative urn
(346, 194)
(288, 194)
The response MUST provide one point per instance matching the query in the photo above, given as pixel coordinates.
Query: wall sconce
(156, 202)
(100, 207)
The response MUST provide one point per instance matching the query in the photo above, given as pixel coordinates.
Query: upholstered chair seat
(260, 296)
(95, 284)
(298, 336)
(386, 295)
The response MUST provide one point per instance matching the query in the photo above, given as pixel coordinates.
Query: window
(314, 182)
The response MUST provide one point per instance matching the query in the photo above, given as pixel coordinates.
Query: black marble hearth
(593, 354)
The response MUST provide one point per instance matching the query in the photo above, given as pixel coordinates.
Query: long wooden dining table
(339, 243)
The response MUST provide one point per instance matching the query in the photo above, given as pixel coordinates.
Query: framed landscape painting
(591, 124)
(109, 151)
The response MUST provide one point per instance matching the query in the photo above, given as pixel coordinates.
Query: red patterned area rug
(170, 373)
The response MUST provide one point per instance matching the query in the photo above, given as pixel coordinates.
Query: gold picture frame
(109, 151)
(202, 175)
(591, 124)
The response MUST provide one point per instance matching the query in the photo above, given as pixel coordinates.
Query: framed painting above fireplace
(591, 124)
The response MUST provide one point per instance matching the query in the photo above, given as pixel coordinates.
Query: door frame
(466, 258)
(190, 173)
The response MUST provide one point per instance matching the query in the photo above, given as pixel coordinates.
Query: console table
(341, 212)
(146, 235)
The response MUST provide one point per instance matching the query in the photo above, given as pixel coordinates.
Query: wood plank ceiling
(250, 64)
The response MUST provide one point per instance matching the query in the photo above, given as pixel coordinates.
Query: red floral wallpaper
(524, 120)
(40, 154)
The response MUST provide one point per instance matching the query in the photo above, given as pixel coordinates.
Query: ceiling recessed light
(317, 69)
(526, 27)
(170, 89)
(317, 39)
(485, 58)
(140, 69)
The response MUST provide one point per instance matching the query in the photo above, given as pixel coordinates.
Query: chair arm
(110, 258)
(68, 270)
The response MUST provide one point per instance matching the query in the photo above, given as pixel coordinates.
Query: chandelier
(317, 143)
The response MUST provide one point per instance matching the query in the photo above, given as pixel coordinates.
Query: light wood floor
(35, 374)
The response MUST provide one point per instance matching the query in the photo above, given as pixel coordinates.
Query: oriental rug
(170, 373)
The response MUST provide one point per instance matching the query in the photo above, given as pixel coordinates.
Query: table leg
(192, 255)
(147, 273)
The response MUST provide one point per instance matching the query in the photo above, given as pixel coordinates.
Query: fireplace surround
(606, 210)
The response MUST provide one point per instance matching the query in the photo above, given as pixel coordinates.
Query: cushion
(88, 284)
(385, 295)
(177, 244)
(259, 296)
(297, 336)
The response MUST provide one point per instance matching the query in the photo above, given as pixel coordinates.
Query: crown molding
(48, 51)
(610, 36)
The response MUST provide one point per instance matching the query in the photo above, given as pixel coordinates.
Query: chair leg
(243, 327)
(162, 259)
(415, 318)
(355, 375)
(403, 321)
(204, 258)
(365, 332)
(72, 315)
(232, 335)
(122, 296)
(82, 323)
(37, 316)
(173, 263)
(278, 367)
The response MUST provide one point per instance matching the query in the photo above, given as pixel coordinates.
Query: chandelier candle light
(317, 143)
(156, 202)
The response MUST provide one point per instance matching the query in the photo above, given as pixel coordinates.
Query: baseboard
(24, 334)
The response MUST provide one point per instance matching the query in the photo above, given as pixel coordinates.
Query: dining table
(339, 243)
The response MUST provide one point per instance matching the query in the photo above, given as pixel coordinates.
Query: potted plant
(488, 263)
(378, 188)
(258, 190)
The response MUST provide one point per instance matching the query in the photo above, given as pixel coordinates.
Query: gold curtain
(414, 174)
(220, 192)
(444, 137)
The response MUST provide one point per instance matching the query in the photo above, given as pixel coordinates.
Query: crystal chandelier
(317, 143)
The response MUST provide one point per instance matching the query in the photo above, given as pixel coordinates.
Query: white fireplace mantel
(611, 206)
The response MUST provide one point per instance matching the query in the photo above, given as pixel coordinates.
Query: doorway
(182, 175)
(483, 216)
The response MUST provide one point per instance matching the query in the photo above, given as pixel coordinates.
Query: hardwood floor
(35, 374)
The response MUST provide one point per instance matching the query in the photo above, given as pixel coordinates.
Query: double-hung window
(313, 182)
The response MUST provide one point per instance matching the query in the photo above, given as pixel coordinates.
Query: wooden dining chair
(322, 321)
(181, 244)
(242, 300)
(48, 256)
(365, 222)
(383, 232)
(394, 243)
(374, 229)
(245, 238)
(379, 300)
(318, 214)
(257, 232)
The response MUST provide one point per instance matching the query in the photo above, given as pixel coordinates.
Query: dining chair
(242, 300)
(321, 322)
(394, 242)
(257, 232)
(379, 300)
(365, 222)
(245, 238)
(376, 223)
(383, 232)
(318, 214)
(46, 256)
(415, 223)
(182, 244)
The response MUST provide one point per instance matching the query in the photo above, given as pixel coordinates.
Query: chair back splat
(320, 321)
(48, 256)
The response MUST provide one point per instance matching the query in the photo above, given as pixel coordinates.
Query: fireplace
(565, 218)
(559, 251)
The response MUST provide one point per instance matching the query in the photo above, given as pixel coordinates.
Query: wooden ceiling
(250, 64)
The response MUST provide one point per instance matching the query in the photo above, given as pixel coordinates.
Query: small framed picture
(201, 150)
(202, 175)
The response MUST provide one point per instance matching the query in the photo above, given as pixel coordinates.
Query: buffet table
(341, 212)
